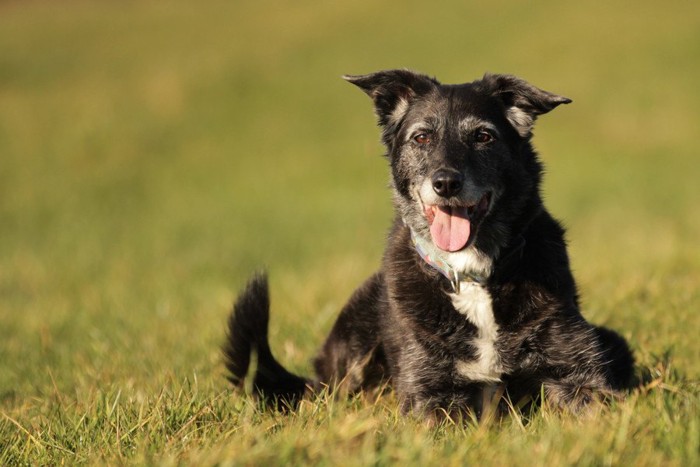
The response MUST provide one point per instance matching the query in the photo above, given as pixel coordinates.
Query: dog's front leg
(426, 387)
(577, 372)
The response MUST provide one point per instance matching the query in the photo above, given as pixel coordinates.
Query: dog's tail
(247, 333)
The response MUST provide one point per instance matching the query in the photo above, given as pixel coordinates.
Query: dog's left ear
(392, 91)
(523, 101)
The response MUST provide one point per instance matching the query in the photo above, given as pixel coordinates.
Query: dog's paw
(577, 399)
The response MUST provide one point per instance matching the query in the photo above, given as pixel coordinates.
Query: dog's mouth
(454, 227)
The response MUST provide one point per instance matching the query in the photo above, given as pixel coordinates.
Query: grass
(153, 154)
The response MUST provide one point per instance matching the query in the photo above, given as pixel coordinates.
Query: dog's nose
(447, 182)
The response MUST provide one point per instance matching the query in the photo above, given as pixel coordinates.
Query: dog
(475, 294)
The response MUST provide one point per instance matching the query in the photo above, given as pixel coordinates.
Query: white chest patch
(474, 302)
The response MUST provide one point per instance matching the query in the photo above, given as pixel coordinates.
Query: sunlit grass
(154, 154)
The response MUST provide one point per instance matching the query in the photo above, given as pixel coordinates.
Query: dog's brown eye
(483, 137)
(422, 138)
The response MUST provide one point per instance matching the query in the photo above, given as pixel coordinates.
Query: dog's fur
(510, 320)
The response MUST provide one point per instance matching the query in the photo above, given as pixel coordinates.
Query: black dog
(475, 292)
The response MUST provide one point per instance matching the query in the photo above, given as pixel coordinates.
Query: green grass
(153, 154)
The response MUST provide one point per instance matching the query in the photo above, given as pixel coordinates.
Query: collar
(433, 256)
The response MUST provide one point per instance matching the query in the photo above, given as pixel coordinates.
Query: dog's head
(463, 170)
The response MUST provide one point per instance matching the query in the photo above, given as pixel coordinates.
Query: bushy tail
(247, 333)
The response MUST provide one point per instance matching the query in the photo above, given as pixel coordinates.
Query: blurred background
(153, 154)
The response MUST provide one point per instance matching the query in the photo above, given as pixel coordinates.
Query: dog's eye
(422, 138)
(483, 136)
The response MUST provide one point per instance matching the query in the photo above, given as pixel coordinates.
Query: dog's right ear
(392, 91)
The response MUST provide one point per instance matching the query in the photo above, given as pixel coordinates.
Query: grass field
(153, 154)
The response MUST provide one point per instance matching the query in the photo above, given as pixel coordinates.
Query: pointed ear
(392, 91)
(523, 101)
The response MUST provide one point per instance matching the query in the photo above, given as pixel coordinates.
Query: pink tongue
(450, 228)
